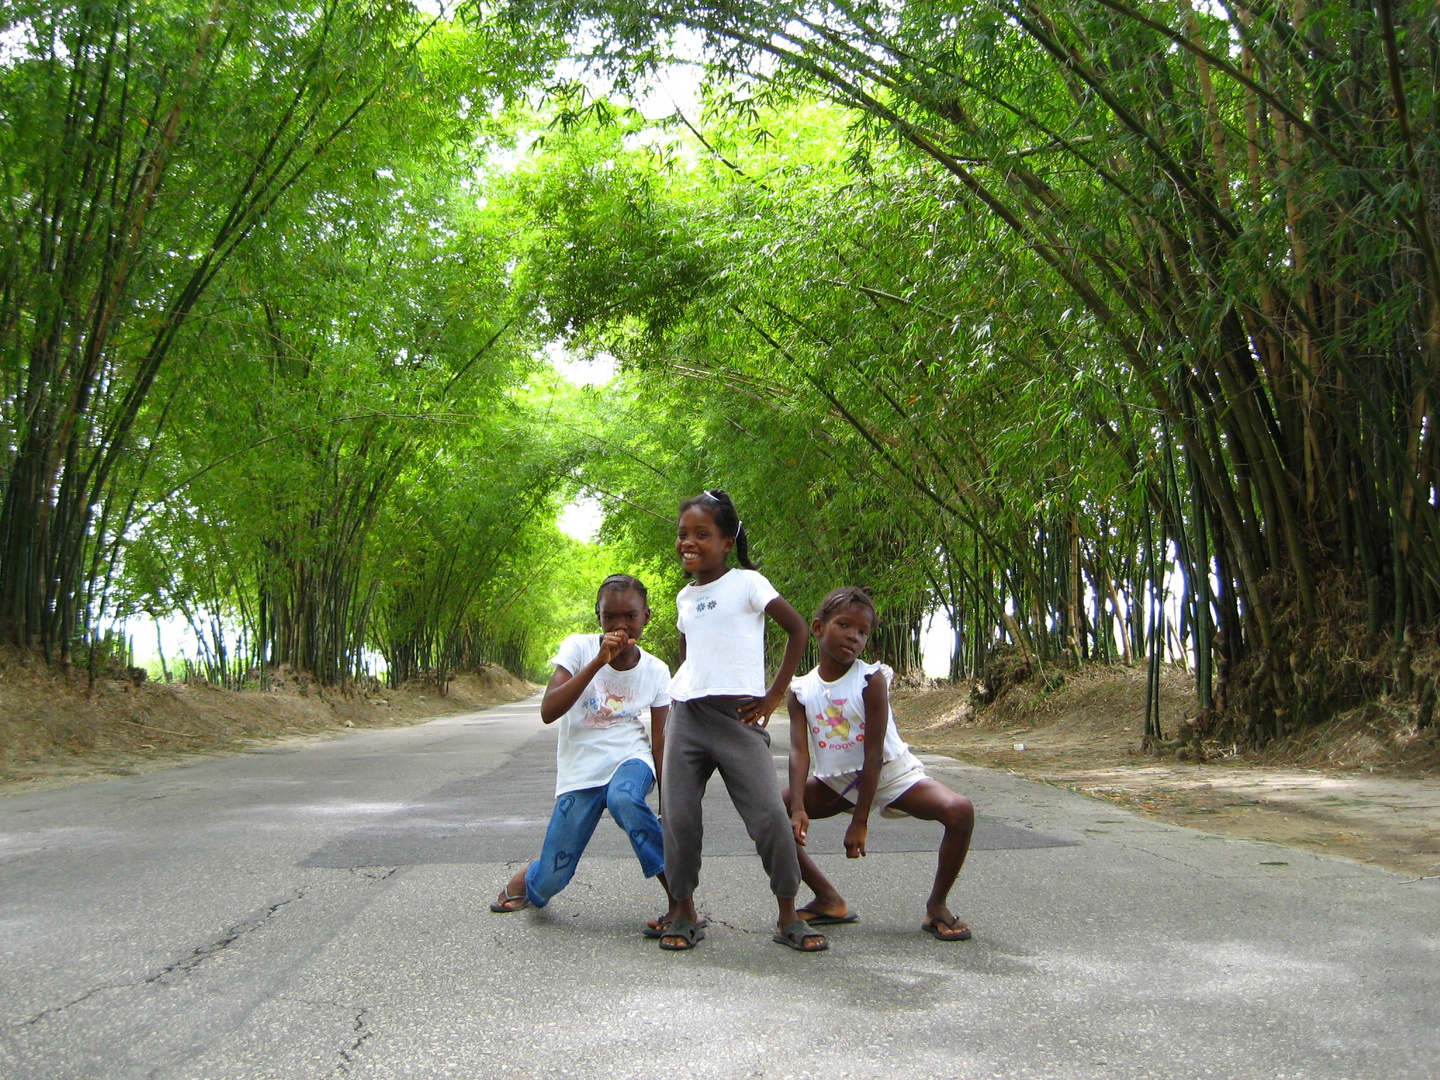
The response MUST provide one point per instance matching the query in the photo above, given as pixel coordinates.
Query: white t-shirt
(835, 715)
(603, 730)
(724, 627)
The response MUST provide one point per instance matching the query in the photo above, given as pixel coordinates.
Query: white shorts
(897, 776)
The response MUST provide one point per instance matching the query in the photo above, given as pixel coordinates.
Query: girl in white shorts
(840, 719)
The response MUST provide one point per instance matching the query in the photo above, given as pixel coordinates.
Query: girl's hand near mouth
(613, 644)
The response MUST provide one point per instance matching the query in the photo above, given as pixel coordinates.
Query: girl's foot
(681, 935)
(827, 913)
(657, 926)
(801, 938)
(513, 896)
(507, 902)
(942, 925)
(680, 928)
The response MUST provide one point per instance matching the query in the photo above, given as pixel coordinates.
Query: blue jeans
(573, 823)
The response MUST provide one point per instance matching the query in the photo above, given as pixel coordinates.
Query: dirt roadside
(56, 731)
(1366, 786)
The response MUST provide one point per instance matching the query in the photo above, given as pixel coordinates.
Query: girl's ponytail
(742, 545)
(717, 503)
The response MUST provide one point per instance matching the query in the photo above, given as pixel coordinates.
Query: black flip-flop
(498, 906)
(684, 929)
(795, 934)
(822, 919)
(932, 927)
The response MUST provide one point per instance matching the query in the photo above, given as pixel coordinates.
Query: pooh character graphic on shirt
(838, 728)
(605, 708)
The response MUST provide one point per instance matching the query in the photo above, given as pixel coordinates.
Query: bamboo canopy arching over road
(1103, 333)
(1209, 231)
(1109, 331)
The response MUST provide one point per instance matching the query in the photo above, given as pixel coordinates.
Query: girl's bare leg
(821, 801)
(656, 924)
(814, 941)
(931, 800)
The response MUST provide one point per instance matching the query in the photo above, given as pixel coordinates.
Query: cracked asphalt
(321, 909)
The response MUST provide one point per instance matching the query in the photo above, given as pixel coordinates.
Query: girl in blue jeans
(602, 683)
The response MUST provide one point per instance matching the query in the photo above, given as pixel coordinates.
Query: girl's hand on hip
(757, 710)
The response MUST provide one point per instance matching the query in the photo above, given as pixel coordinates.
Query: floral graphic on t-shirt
(606, 708)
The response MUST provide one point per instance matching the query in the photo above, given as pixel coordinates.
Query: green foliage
(171, 173)
(1091, 287)
(1015, 310)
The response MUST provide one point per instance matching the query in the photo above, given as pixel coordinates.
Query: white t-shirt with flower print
(604, 729)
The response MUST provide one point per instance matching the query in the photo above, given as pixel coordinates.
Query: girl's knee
(627, 810)
(627, 801)
(631, 783)
(961, 813)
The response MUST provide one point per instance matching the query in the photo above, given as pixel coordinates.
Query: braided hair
(717, 503)
(844, 596)
(621, 583)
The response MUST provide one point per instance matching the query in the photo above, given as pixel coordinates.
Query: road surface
(314, 909)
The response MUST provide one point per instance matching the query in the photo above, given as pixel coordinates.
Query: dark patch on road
(500, 817)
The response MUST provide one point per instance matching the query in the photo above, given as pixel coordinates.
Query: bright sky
(581, 519)
(595, 371)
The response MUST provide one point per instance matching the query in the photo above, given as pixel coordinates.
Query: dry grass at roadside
(54, 731)
(1364, 786)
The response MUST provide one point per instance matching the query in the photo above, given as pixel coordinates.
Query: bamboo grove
(1207, 233)
(1109, 330)
(255, 338)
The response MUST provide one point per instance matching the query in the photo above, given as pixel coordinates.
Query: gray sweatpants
(704, 735)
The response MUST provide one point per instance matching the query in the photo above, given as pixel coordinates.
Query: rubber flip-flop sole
(934, 931)
(796, 941)
(821, 919)
(690, 943)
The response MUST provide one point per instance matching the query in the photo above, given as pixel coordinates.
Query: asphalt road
(320, 909)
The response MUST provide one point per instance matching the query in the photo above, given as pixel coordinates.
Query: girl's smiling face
(701, 546)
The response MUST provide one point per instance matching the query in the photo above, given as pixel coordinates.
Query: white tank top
(835, 717)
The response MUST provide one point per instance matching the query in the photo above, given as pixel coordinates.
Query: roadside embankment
(57, 729)
(1365, 786)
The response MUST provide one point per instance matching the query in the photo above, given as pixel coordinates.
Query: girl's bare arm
(658, 713)
(791, 621)
(877, 718)
(564, 689)
(799, 767)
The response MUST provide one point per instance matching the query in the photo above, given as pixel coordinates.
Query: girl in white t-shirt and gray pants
(717, 720)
